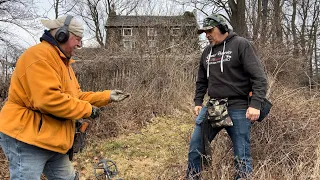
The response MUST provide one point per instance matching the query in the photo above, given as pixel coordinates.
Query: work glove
(118, 95)
(95, 112)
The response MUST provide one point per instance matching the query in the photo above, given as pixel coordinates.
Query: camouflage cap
(212, 21)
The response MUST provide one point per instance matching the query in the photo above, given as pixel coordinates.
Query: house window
(127, 44)
(127, 31)
(152, 43)
(175, 31)
(152, 32)
(151, 38)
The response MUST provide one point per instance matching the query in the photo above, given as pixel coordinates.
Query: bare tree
(264, 18)
(308, 16)
(235, 10)
(256, 22)
(16, 18)
(62, 7)
(15, 14)
(277, 25)
(316, 61)
(238, 20)
(95, 14)
(293, 27)
(312, 44)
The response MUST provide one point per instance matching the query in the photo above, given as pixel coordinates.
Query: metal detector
(106, 170)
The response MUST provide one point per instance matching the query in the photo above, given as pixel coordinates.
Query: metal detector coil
(105, 170)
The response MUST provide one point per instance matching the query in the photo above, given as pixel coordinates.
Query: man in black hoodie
(228, 69)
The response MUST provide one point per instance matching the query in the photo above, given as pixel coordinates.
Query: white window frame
(124, 29)
(151, 38)
(128, 44)
(152, 43)
(173, 33)
(152, 32)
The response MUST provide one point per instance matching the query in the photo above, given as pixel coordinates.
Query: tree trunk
(293, 27)
(264, 21)
(277, 26)
(303, 28)
(56, 8)
(256, 27)
(238, 17)
(317, 51)
(312, 45)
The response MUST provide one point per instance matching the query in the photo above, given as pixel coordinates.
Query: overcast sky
(45, 11)
(28, 39)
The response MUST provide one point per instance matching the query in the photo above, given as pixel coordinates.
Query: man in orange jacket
(37, 123)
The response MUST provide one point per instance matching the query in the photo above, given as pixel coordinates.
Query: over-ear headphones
(222, 25)
(62, 34)
(223, 28)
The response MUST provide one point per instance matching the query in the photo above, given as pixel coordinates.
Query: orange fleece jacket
(45, 99)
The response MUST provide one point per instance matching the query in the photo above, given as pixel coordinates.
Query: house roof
(188, 19)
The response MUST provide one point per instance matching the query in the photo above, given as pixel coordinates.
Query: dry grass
(157, 84)
(284, 146)
(147, 135)
(158, 151)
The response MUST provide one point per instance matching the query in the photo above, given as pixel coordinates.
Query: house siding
(162, 25)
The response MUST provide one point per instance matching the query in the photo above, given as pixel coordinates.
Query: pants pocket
(1, 138)
(202, 115)
(4, 145)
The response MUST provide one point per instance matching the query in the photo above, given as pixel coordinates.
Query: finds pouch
(80, 136)
(265, 105)
(265, 109)
(217, 114)
(79, 141)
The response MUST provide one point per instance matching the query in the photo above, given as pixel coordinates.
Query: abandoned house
(152, 33)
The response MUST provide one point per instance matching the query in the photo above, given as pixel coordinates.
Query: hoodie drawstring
(208, 63)
(221, 61)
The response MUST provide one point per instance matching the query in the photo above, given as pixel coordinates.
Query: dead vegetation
(284, 146)
(157, 84)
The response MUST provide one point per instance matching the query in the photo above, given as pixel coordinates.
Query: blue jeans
(240, 137)
(29, 162)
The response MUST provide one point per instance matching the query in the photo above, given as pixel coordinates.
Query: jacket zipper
(69, 72)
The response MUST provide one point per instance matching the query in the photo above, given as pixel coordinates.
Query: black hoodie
(239, 73)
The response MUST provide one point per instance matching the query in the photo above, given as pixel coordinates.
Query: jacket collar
(50, 39)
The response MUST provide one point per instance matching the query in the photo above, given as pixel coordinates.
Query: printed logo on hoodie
(216, 57)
